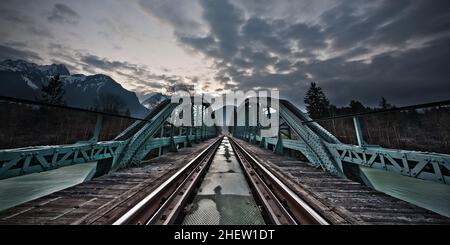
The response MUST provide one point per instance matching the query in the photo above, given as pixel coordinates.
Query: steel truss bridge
(128, 149)
(130, 186)
(297, 132)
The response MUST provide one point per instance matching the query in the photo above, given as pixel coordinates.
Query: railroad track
(280, 203)
(166, 204)
(163, 205)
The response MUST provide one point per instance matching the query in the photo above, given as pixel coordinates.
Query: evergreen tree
(128, 112)
(384, 104)
(53, 92)
(357, 107)
(316, 102)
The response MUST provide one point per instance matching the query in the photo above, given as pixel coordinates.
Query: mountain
(153, 100)
(22, 79)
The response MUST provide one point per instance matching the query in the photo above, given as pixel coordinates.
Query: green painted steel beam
(130, 147)
(323, 149)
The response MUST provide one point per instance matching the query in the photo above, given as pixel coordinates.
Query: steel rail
(294, 204)
(169, 211)
(146, 209)
(274, 209)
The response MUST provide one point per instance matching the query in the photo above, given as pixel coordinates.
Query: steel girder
(143, 142)
(135, 148)
(131, 146)
(323, 149)
(314, 148)
(16, 162)
(421, 165)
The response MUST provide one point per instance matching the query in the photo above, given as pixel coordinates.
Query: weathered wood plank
(102, 200)
(339, 200)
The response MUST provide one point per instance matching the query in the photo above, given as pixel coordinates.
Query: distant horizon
(144, 97)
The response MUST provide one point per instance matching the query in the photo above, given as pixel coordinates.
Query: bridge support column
(359, 135)
(279, 146)
(202, 129)
(98, 127)
(291, 152)
(188, 135)
(253, 139)
(161, 135)
(172, 145)
(195, 125)
(197, 138)
(263, 143)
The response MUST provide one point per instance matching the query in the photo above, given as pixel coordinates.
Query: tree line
(318, 106)
(424, 130)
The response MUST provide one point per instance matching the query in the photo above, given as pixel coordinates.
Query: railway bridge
(157, 173)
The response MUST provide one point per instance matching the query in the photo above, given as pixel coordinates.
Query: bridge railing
(26, 124)
(411, 141)
(39, 137)
(423, 128)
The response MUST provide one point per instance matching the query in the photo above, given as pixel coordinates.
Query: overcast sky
(360, 50)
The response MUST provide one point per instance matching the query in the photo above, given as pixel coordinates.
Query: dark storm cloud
(139, 76)
(15, 18)
(416, 75)
(69, 55)
(392, 22)
(353, 49)
(206, 45)
(181, 13)
(7, 52)
(254, 32)
(421, 19)
(105, 64)
(389, 37)
(40, 31)
(69, 66)
(308, 36)
(63, 14)
(132, 71)
(224, 20)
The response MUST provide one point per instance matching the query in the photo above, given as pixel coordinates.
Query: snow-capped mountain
(22, 79)
(153, 100)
